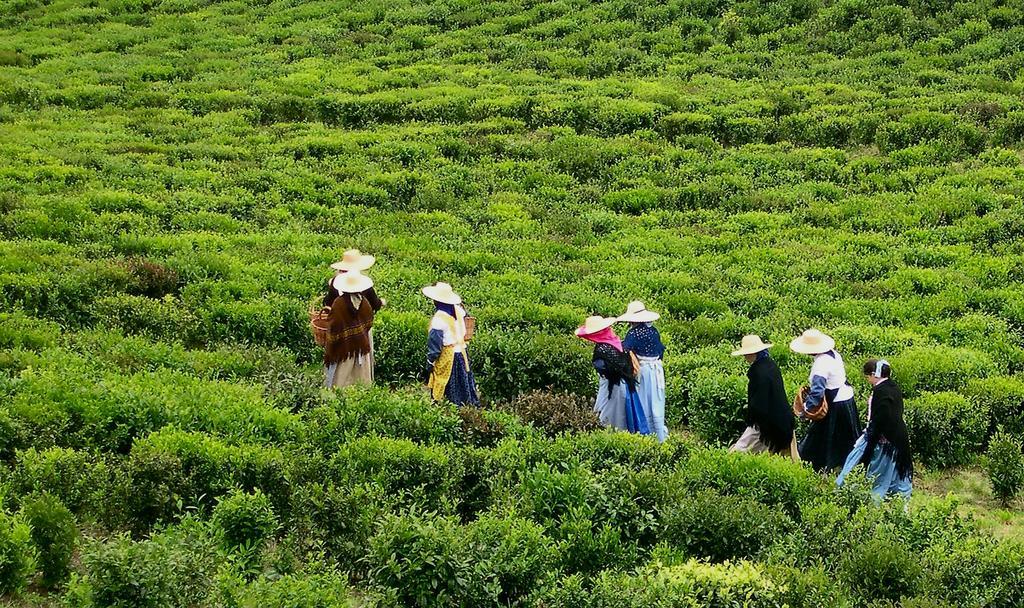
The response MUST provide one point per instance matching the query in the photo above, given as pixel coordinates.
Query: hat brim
(362, 263)
(445, 298)
(362, 285)
(583, 330)
(799, 346)
(751, 350)
(644, 316)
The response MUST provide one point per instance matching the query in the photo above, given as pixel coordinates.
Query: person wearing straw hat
(884, 447)
(769, 418)
(828, 441)
(352, 260)
(643, 340)
(448, 374)
(617, 404)
(348, 351)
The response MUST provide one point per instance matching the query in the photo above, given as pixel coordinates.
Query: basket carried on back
(318, 323)
(470, 327)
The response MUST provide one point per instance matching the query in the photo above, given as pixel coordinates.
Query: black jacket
(767, 406)
(887, 421)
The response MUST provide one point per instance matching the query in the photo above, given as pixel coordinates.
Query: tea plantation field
(176, 175)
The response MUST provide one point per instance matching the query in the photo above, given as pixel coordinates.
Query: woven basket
(318, 324)
(470, 327)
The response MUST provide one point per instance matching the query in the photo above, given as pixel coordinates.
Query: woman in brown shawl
(348, 352)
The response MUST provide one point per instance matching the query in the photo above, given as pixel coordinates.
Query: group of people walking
(349, 307)
(834, 439)
(631, 380)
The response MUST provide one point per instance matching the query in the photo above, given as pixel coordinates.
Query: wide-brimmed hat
(595, 324)
(750, 345)
(636, 312)
(352, 282)
(442, 292)
(353, 259)
(812, 342)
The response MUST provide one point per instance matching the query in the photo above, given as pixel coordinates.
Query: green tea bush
(976, 572)
(76, 479)
(244, 519)
(715, 405)
(881, 568)
(945, 428)
(17, 554)
(54, 534)
(340, 519)
(425, 560)
(360, 411)
(176, 567)
(1003, 397)
(424, 475)
(326, 589)
(518, 553)
(1004, 464)
(939, 368)
(762, 477)
(721, 527)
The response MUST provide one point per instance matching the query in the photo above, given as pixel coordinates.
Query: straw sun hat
(812, 342)
(595, 324)
(352, 282)
(353, 259)
(442, 292)
(636, 312)
(750, 345)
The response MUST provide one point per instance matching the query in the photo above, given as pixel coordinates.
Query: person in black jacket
(769, 417)
(884, 447)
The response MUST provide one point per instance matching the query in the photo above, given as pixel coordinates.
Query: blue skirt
(650, 387)
(620, 408)
(885, 480)
(461, 387)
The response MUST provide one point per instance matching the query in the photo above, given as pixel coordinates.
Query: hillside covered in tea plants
(176, 176)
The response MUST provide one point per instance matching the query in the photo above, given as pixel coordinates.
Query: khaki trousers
(750, 441)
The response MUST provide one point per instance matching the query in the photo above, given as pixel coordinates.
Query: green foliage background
(176, 175)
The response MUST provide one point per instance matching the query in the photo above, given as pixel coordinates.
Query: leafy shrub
(373, 411)
(881, 568)
(244, 519)
(939, 368)
(715, 405)
(54, 535)
(76, 479)
(17, 554)
(691, 583)
(173, 568)
(554, 413)
(1004, 464)
(945, 428)
(518, 553)
(424, 560)
(1003, 397)
(768, 479)
(721, 528)
(978, 571)
(340, 519)
(326, 589)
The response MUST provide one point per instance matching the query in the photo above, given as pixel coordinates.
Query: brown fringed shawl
(348, 333)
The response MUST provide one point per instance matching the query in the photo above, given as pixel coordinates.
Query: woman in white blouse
(828, 441)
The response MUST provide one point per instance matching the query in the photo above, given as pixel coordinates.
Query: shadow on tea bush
(554, 413)
(945, 429)
(54, 535)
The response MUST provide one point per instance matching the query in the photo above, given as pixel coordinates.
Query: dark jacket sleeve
(371, 297)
